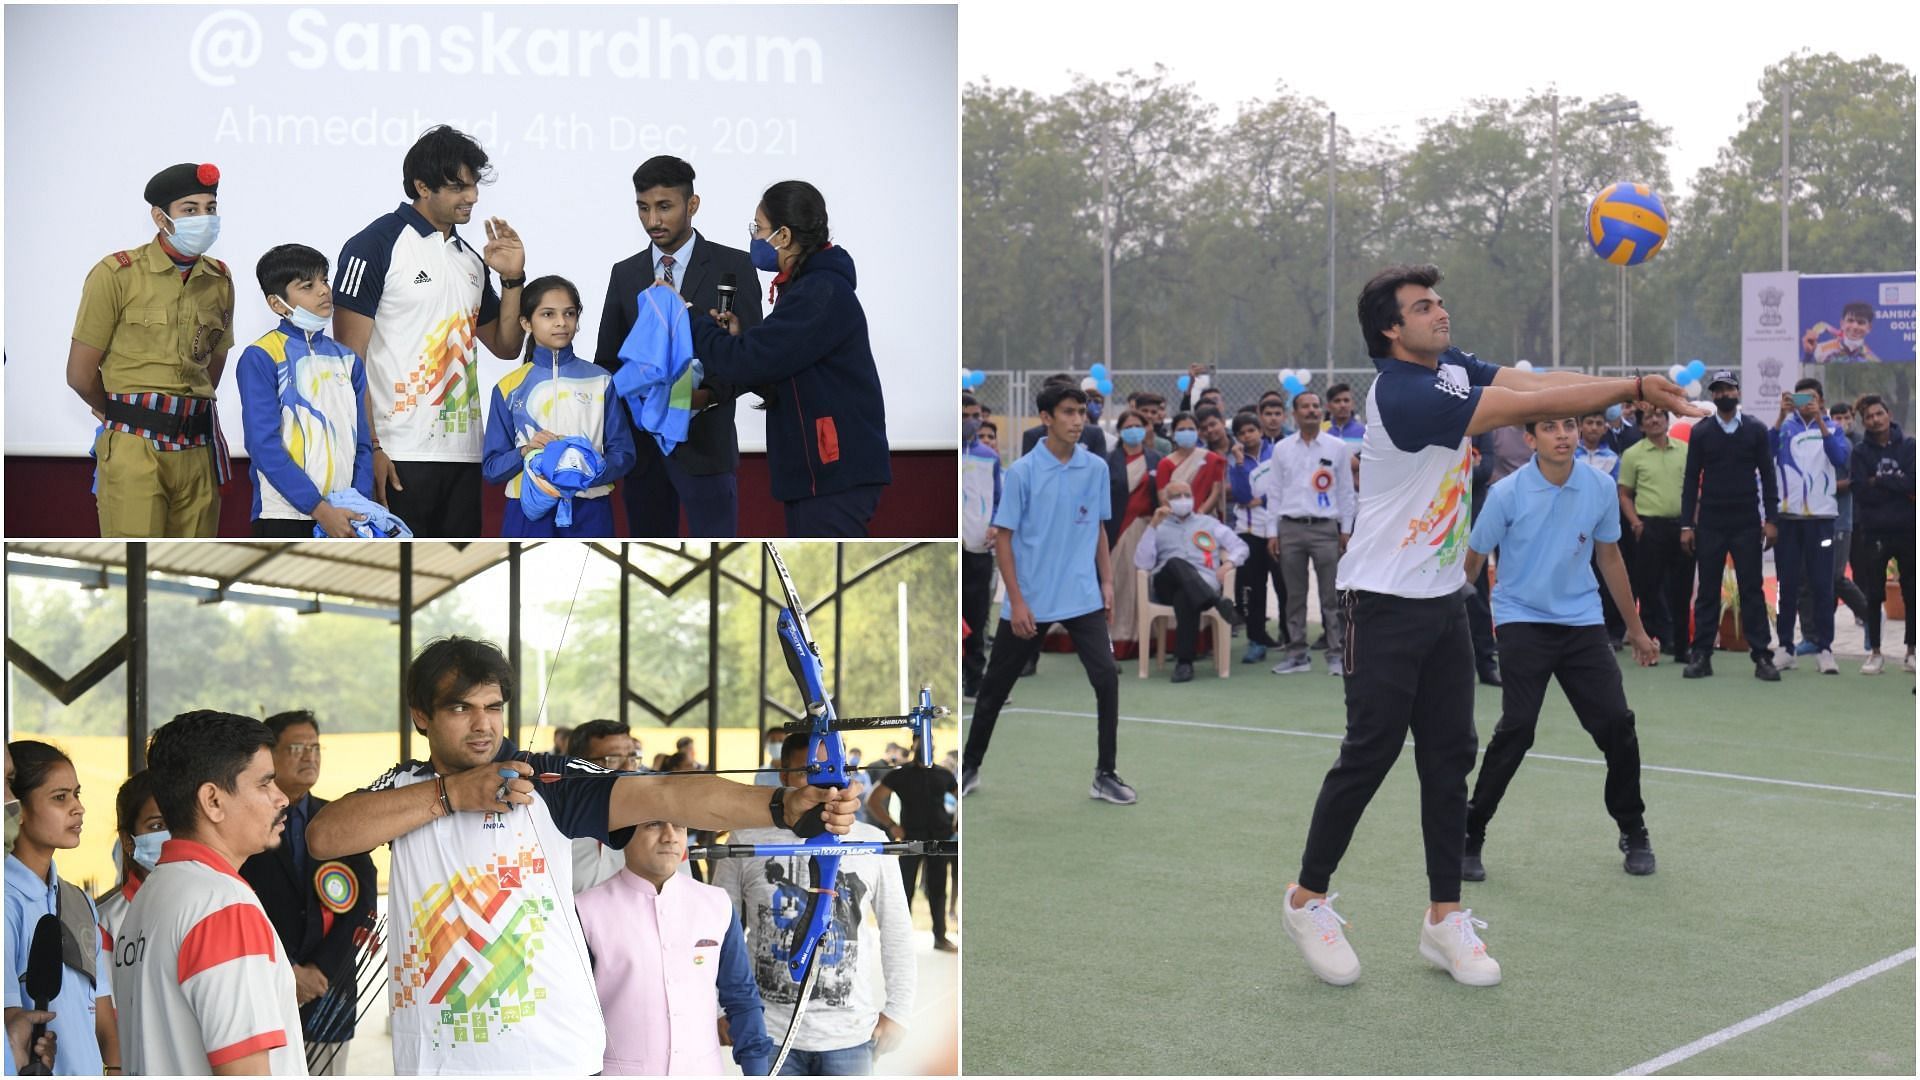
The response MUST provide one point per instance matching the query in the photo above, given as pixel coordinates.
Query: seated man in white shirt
(1310, 511)
(1186, 554)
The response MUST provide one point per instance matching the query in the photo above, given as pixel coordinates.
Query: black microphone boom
(729, 284)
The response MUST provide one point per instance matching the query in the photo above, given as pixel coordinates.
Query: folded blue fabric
(555, 474)
(656, 373)
(379, 523)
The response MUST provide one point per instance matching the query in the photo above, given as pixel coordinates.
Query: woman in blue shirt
(48, 788)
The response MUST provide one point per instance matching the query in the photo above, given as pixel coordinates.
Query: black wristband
(513, 283)
(778, 808)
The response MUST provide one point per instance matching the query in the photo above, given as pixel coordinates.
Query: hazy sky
(1386, 66)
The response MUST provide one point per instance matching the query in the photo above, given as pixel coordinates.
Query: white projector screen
(308, 112)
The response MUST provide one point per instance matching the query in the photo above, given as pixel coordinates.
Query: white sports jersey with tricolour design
(199, 978)
(489, 965)
(426, 294)
(1416, 479)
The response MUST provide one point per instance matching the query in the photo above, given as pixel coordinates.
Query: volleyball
(1626, 224)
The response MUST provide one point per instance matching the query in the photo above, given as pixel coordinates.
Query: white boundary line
(1531, 753)
(1726, 1034)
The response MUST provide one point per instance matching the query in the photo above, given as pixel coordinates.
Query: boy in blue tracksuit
(304, 400)
(1811, 456)
(555, 394)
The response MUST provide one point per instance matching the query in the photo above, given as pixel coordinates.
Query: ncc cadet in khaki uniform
(149, 345)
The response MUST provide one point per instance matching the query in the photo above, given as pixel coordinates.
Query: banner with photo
(1856, 318)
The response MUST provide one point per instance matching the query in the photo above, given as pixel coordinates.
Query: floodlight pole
(1614, 114)
(1333, 231)
(1786, 137)
(1553, 212)
(1106, 256)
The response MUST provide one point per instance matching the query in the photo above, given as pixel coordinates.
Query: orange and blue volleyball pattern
(1627, 224)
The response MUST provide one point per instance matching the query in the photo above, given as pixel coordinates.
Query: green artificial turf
(1146, 939)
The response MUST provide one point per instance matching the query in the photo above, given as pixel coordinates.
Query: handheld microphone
(45, 969)
(729, 284)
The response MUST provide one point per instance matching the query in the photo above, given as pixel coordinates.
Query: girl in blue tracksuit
(555, 394)
(827, 453)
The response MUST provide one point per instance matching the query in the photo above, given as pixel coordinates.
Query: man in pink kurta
(668, 956)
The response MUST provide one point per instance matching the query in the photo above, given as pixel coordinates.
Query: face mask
(765, 256)
(13, 823)
(1186, 438)
(1093, 410)
(1181, 506)
(1727, 405)
(304, 320)
(146, 847)
(1133, 436)
(193, 235)
(1854, 344)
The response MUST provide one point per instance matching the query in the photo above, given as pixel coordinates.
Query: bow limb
(826, 767)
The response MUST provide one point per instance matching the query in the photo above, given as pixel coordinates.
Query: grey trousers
(1319, 541)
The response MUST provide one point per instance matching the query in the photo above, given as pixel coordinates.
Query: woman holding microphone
(827, 453)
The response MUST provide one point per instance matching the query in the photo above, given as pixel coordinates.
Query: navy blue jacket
(1883, 484)
(1730, 479)
(826, 420)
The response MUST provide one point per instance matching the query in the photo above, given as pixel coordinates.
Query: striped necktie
(666, 274)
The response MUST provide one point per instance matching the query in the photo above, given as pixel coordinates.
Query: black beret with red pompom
(179, 181)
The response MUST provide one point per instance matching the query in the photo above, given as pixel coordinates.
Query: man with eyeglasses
(609, 744)
(315, 905)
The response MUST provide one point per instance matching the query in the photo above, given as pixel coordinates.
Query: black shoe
(1639, 852)
(1471, 868)
(1320, 643)
(970, 691)
(1033, 666)
(1230, 613)
(1617, 643)
(1764, 670)
(969, 780)
(1490, 675)
(1701, 667)
(1183, 671)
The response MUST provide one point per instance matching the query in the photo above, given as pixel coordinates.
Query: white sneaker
(1875, 664)
(1337, 669)
(1784, 660)
(1316, 928)
(1827, 666)
(1452, 946)
(1907, 664)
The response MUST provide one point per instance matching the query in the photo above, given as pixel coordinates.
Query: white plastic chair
(1152, 612)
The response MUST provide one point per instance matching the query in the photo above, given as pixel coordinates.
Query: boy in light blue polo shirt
(1052, 555)
(1552, 520)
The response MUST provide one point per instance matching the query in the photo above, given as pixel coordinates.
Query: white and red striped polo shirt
(199, 978)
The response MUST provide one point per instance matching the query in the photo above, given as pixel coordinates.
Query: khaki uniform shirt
(160, 334)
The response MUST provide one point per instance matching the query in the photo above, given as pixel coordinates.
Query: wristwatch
(513, 283)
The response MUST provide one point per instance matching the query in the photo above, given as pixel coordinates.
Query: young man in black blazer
(700, 474)
(315, 905)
